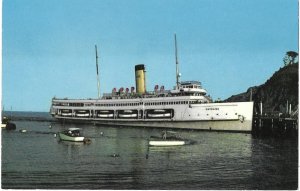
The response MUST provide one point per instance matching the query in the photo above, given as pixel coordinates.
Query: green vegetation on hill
(275, 92)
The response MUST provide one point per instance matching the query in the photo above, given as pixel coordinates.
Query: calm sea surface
(36, 159)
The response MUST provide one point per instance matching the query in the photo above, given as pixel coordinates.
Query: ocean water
(119, 158)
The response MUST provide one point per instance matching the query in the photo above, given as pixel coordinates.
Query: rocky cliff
(281, 88)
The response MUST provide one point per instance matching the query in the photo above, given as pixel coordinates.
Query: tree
(290, 58)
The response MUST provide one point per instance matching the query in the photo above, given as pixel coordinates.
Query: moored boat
(72, 134)
(6, 124)
(168, 140)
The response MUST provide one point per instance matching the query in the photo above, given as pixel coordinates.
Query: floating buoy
(101, 133)
(54, 134)
(115, 155)
(23, 130)
(50, 126)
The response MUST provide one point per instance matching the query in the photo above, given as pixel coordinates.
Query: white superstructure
(185, 106)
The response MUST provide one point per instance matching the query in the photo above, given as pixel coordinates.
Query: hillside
(275, 92)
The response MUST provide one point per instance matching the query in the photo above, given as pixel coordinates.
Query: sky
(48, 47)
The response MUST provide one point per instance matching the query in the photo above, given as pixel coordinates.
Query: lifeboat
(127, 114)
(159, 113)
(105, 113)
(108, 115)
(134, 115)
(66, 112)
(82, 113)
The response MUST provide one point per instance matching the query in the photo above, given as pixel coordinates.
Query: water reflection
(117, 159)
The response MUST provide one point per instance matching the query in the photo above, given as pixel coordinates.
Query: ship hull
(228, 125)
(182, 115)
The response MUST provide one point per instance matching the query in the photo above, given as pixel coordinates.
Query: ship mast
(177, 65)
(98, 82)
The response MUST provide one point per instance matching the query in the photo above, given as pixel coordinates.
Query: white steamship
(186, 106)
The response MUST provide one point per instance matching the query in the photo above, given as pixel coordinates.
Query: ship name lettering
(212, 108)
